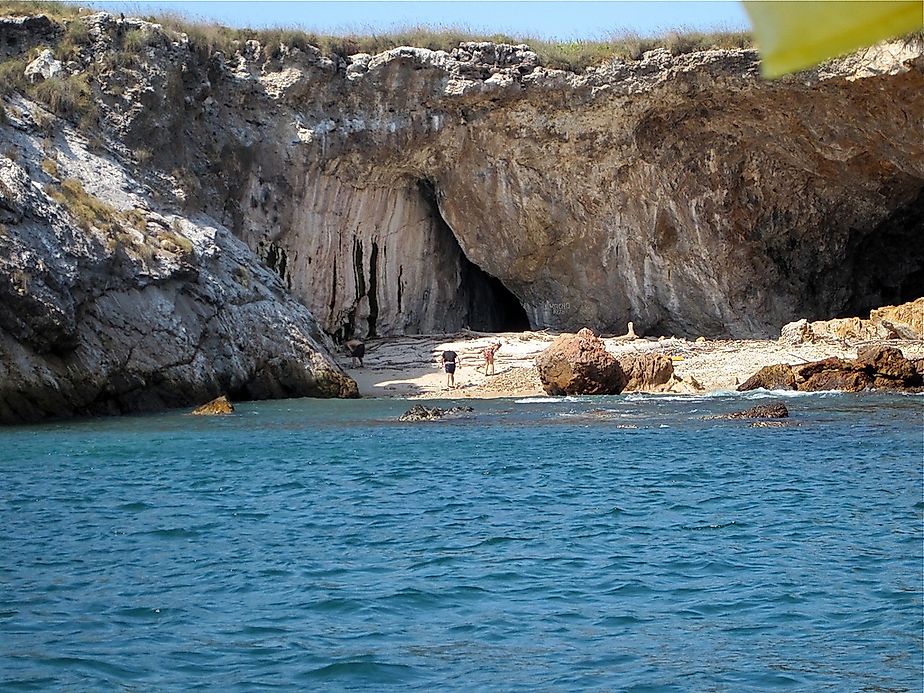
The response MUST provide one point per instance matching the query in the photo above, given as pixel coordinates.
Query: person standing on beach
(448, 361)
(488, 354)
(357, 349)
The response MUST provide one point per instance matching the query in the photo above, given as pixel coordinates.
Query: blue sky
(575, 19)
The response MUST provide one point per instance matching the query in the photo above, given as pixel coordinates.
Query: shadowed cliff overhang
(490, 306)
(680, 192)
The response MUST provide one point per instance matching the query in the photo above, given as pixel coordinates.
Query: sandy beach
(408, 367)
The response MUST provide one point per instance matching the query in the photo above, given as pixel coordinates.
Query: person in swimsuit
(488, 354)
(448, 360)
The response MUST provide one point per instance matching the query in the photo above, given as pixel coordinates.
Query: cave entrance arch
(488, 305)
(492, 307)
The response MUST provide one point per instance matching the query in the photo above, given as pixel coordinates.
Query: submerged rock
(776, 410)
(219, 405)
(421, 413)
(579, 364)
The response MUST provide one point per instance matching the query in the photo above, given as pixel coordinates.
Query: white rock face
(127, 309)
(682, 193)
(44, 67)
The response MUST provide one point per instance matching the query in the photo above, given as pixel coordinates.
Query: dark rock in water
(779, 377)
(767, 424)
(219, 405)
(776, 410)
(421, 413)
(579, 364)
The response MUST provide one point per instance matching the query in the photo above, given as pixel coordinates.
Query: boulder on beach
(579, 364)
(646, 372)
(778, 377)
(219, 405)
(875, 368)
(905, 321)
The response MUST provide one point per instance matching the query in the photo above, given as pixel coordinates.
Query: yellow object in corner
(794, 35)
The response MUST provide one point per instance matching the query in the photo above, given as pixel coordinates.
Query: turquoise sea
(604, 543)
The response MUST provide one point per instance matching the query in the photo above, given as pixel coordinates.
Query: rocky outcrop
(875, 368)
(905, 321)
(421, 191)
(108, 306)
(579, 364)
(421, 413)
(646, 372)
(777, 377)
(44, 67)
(218, 406)
(680, 192)
(776, 410)
(424, 191)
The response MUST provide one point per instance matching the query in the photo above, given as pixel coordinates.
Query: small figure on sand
(488, 354)
(357, 349)
(448, 361)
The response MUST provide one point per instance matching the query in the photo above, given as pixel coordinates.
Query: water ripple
(535, 546)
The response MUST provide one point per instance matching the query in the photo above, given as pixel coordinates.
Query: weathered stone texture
(118, 315)
(875, 368)
(646, 372)
(683, 192)
(579, 364)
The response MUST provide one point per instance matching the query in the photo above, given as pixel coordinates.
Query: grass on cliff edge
(208, 37)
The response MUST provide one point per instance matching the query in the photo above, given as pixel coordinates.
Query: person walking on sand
(357, 349)
(448, 360)
(488, 354)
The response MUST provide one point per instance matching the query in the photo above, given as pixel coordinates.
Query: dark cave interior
(487, 305)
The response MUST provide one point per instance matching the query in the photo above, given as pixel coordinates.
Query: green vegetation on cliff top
(208, 37)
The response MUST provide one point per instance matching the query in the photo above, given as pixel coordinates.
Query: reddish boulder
(646, 372)
(886, 362)
(779, 377)
(832, 374)
(876, 367)
(579, 364)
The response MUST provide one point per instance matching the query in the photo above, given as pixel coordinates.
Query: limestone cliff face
(108, 306)
(421, 191)
(682, 193)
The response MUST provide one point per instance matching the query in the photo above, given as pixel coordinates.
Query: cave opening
(487, 304)
(492, 307)
(887, 264)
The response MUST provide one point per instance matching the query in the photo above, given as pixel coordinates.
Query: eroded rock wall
(682, 193)
(108, 306)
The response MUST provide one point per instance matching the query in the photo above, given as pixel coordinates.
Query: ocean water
(621, 543)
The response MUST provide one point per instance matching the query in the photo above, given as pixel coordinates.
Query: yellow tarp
(794, 35)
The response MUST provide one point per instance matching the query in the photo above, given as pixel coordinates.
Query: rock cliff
(423, 191)
(107, 306)
(418, 190)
